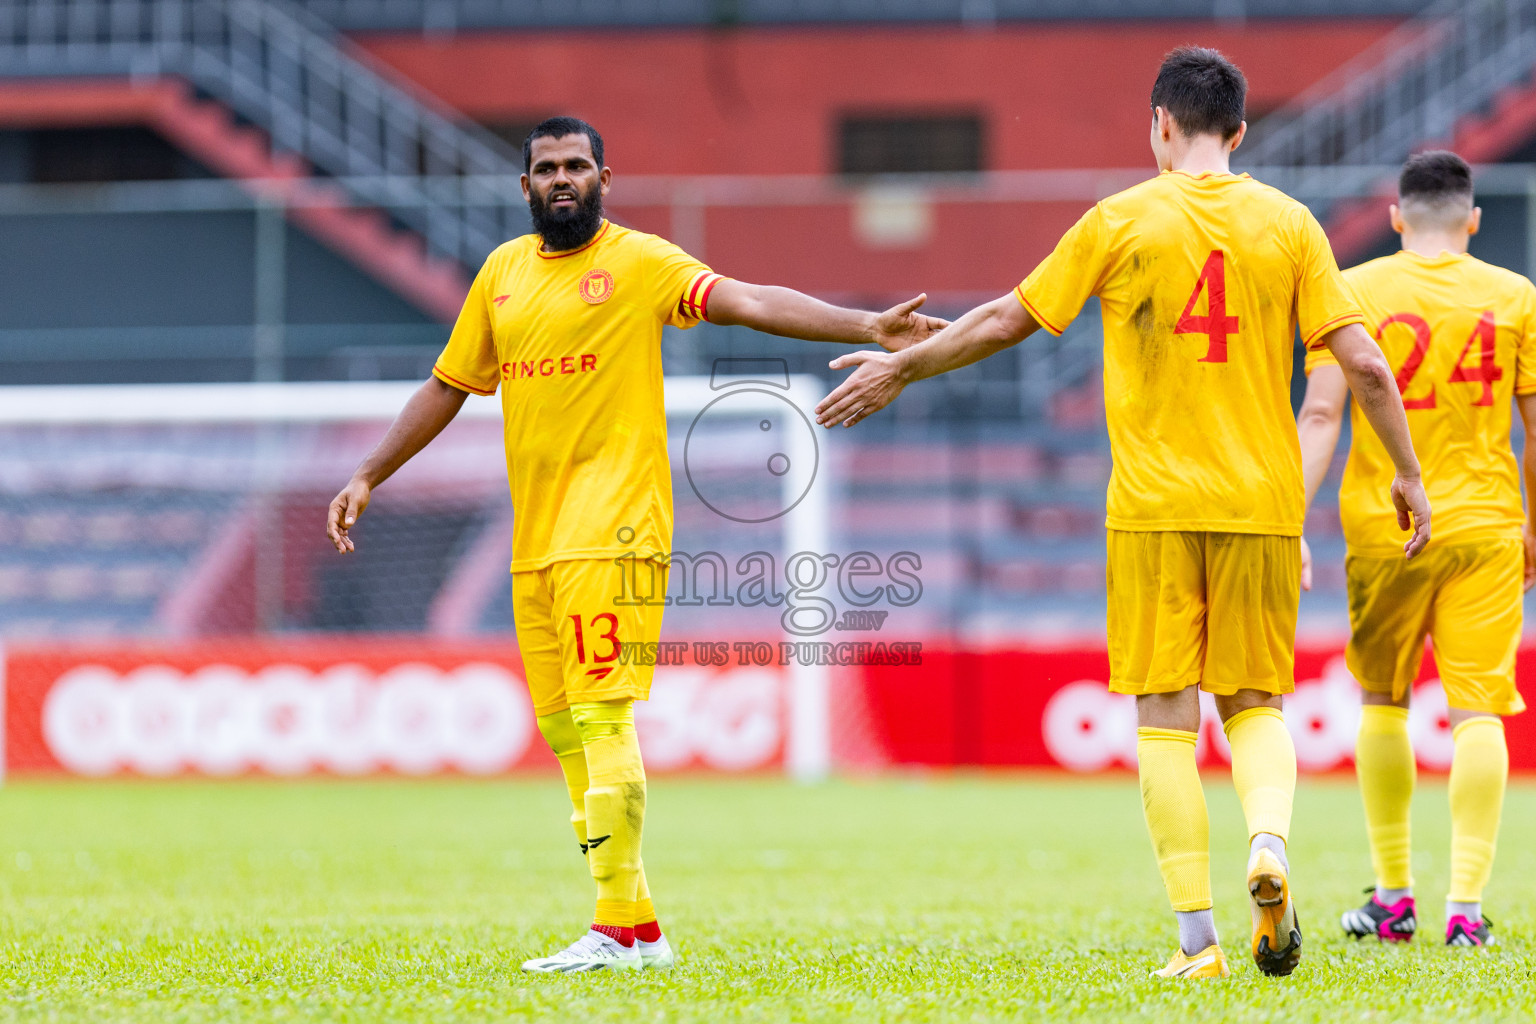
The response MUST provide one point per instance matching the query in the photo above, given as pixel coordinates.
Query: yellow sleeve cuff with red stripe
(1310, 342)
(1040, 319)
(1318, 357)
(695, 301)
(452, 381)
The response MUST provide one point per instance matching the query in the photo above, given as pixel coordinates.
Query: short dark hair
(559, 128)
(1438, 177)
(1203, 91)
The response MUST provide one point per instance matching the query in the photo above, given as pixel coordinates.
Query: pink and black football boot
(1463, 931)
(1395, 923)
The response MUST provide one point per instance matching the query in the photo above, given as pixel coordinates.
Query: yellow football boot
(1210, 962)
(1276, 932)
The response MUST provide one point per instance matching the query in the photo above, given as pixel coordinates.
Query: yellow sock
(1263, 769)
(1385, 766)
(615, 806)
(1479, 771)
(560, 732)
(1176, 817)
(643, 896)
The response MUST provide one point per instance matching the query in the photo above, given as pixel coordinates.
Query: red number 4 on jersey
(1215, 325)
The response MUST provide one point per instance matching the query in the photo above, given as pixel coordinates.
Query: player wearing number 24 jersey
(1462, 335)
(1203, 277)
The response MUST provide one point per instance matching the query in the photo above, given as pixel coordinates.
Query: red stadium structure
(387, 161)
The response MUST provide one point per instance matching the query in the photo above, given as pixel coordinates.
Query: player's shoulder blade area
(1508, 280)
(1128, 201)
(1181, 196)
(1393, 265)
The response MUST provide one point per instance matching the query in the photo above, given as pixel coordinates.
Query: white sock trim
(1197, 930)
(1470, 911)
(1273, 843)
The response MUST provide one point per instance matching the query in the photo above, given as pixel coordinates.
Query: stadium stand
(318, 101)
(97, 564)
(393, 199)
(1458, 77)
(389, 152)
(449, 15)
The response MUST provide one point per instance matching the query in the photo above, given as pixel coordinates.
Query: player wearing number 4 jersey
(1463, 336)
(566, 323)
(1203, 277)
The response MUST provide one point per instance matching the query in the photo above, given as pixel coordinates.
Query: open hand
(871, 387)
(902, 326)
(1306, 565)
(1412, 506)
(345, 508)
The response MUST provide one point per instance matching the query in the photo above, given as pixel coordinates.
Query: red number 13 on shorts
(612, 636)
(1215, 325)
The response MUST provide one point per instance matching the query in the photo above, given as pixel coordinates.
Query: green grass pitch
(950, 898)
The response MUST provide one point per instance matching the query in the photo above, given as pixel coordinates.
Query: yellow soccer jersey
(1461, 335)
(573, 339)
(1203, 280)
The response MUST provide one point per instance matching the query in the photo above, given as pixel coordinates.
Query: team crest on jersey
(596, 286)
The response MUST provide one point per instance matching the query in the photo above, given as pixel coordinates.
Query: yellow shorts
(1214, 609)
(573, 622)
(1467, 597)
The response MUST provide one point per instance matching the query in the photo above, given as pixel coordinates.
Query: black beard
(567, 228)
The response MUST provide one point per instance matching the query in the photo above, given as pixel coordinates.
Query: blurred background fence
(220, 191)
(996, 473)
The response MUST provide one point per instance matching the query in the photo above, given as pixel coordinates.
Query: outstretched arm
(881, 376)
(431, 408)
(1372, 383)
(1317, 424)
(792, 314)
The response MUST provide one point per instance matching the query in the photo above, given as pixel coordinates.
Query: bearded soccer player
(567, 322)
(1463, 336)
(1204, 277)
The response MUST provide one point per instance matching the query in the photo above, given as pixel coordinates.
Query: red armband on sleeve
(695, 301)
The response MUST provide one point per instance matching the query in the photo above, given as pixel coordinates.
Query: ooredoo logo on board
(1087, 728)
(287, 720)
(106, 716)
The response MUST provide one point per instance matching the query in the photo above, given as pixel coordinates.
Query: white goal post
(805, 526)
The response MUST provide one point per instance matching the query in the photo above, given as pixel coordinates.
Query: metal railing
(450, 15)
(1019, 386)
(1411, 87)
(316, 96)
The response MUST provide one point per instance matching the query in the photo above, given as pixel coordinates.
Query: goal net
(169, 601)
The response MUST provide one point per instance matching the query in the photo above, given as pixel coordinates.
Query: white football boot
(594, 951)
(656, 956)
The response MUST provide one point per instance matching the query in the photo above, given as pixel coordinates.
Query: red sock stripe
(623, 936)
(648, 932)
